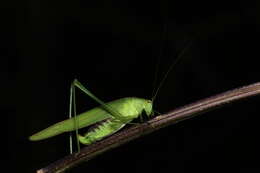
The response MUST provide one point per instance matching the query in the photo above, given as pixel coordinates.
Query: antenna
(164, 35)
(179, 55)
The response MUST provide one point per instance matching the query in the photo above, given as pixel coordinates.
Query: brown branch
(156, 123)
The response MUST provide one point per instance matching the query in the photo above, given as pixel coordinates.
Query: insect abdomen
(105, 129)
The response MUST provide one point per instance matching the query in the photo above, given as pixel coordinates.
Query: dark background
(112, 47)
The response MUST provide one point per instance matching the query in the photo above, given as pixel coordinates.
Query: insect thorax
(132, 107)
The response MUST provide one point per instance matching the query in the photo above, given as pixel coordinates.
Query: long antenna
(170, 68)
(164, 9)
(164, 35)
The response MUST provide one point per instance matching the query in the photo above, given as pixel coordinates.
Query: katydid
(113, 115)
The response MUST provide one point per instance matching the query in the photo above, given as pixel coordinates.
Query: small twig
(156, 123)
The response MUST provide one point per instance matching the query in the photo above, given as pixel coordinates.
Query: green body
(128, 108)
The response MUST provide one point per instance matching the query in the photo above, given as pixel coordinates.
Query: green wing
(84, 119)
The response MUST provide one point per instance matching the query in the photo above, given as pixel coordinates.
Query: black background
(112, 47)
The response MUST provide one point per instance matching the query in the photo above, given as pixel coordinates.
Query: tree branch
(156, 123)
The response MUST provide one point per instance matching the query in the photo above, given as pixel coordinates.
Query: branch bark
(156, 123)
